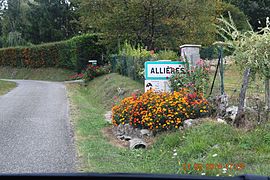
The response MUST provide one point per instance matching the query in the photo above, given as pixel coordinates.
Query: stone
(121, 91)
(121, 137)
(137, 133)
(120, 129)
(231, 112)
(222, 102)
(128, 129)
(188, 123)
(221, 121)
(181, 128)
(108, 117)
(145, 132)
(137, 143)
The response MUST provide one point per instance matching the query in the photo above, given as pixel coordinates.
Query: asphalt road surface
(35, 131)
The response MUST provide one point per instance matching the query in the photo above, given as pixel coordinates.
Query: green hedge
(72, 54)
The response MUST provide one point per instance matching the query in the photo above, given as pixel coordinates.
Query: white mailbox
(93, 62)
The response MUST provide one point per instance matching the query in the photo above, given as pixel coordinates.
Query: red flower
(134, 96)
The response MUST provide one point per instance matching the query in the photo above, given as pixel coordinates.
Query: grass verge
(203, 146)
(49, 74)
(6, 86)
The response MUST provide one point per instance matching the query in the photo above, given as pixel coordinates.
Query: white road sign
(157, 74)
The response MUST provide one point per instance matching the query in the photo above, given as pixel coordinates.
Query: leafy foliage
(130, 60)
(51, 20)
(167, 55)
(251, 49)
(256, 11)
(238, 15)
(155, 24)
(13, 20)
(37, 21)
(128, 50)
(94, 71)
(196, 79)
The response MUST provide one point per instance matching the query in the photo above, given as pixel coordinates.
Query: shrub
(196, 79)
(129, 50)
(130, 60)
(167, 55)
(88, 47)
(94, 71)
(159, 110)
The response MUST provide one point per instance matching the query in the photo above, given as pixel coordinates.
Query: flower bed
(160, 110)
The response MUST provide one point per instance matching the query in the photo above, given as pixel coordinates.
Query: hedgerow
(72, 54)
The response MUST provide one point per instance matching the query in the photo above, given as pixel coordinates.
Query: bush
(159, 110)
(88, 47)
(94, 71)
(167, 55)
(196, 79)
(130, 60)
(72, 54)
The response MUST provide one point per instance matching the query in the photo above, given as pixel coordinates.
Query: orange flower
(154, 110)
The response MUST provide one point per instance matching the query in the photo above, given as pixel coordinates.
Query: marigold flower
(162, 110)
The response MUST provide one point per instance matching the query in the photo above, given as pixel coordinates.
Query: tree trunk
(240, 116)
(267, 97)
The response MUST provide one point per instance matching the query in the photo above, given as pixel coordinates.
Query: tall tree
(154, 23)
(51, 20)
(13, 16)
(256, 10)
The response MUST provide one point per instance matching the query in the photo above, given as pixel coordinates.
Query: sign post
(157, 74)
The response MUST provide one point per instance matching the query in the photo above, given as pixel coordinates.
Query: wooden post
(240, 116)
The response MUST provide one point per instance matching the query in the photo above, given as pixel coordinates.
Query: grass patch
(172, 150)
(49, 74)
(6, 86)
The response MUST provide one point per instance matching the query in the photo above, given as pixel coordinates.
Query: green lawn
(206, 144)
(6, 86)
(49, 74)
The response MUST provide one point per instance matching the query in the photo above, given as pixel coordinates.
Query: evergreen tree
(51, 20)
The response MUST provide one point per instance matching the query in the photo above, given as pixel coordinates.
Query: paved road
(35, 133)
